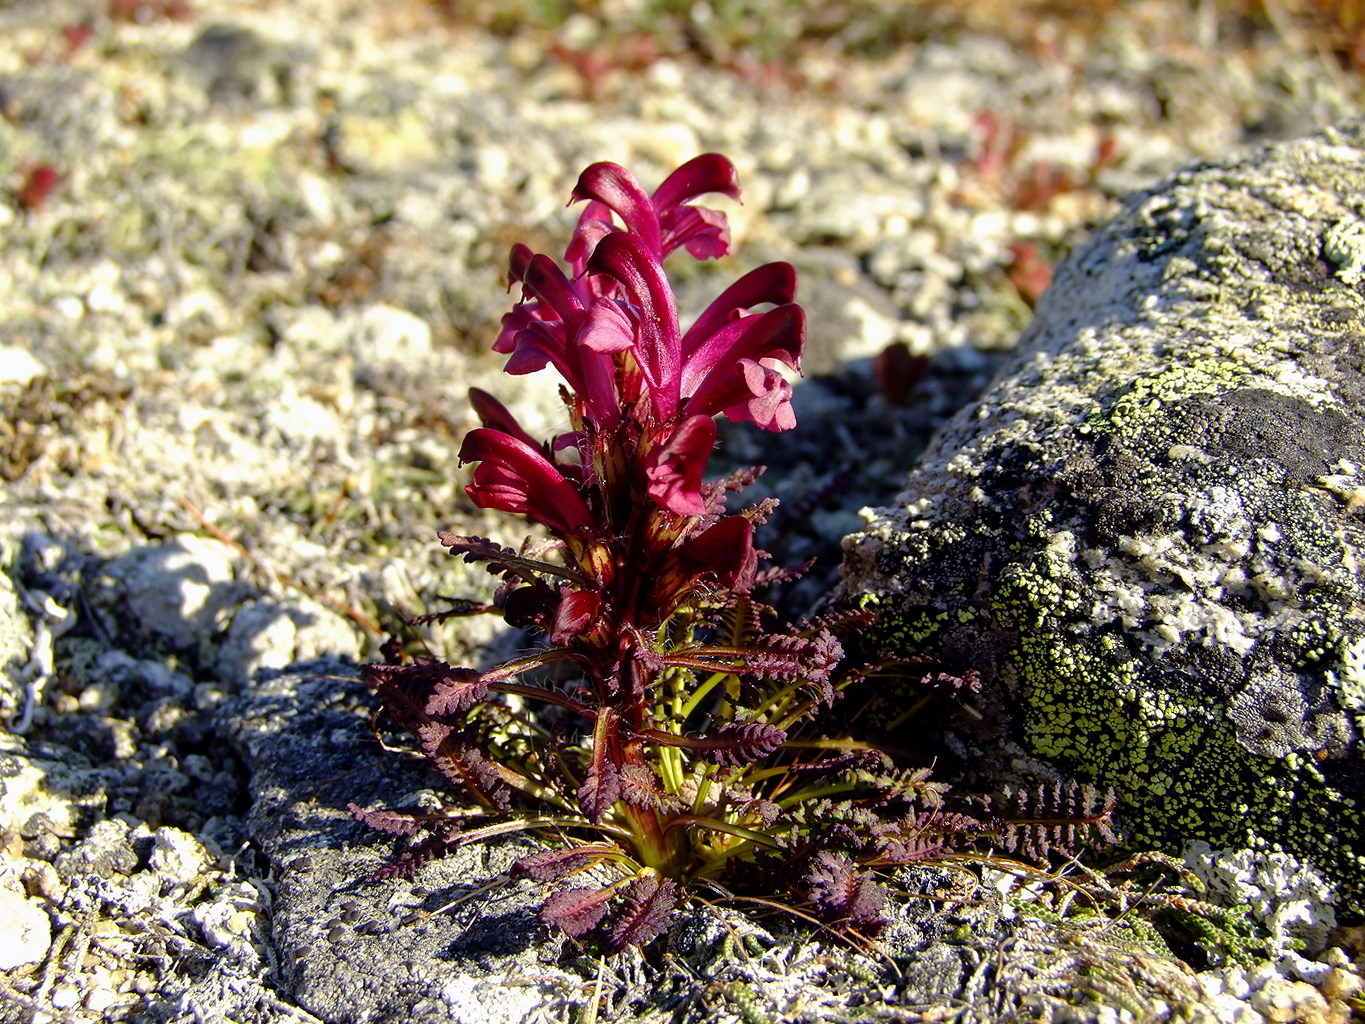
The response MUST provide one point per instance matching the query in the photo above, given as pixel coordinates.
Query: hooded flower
(610, 328)
(675, 468)
(514, 477)
(577, 323)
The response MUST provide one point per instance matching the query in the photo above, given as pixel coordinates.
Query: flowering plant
(676, 741)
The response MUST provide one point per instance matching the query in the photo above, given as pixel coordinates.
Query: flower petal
(771, 283)
(577, 613)
(779, 334)
(593, 223)
(514, 477)
(607, 328)
(493, 413)
(616, 188)
(705, 233)
(726, 551)
(675, 468)
(748, 391)
(709, 172)
(641, 274)
(548, 283)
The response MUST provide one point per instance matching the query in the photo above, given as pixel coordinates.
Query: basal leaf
(576, 911)
(647, 905)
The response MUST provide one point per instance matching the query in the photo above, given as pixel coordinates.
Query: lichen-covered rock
(1147, 534)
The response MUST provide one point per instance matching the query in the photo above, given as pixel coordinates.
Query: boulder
(1146, 534)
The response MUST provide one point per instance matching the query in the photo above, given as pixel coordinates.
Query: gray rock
(16, 645)
(181, 591)
(351, 949)
(1145, 534)
(270, 634)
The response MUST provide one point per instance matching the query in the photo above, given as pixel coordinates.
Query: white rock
(492, 1000)
(178, 855)
(180, 589)
(25, 930)
(19, 365)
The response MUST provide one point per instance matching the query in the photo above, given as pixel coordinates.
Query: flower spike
(656, 710)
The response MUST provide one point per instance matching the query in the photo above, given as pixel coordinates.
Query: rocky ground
(252, 259)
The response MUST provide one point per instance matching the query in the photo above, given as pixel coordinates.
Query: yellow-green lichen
(1149, 397)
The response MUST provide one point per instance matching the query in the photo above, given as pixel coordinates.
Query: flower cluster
(677, 739)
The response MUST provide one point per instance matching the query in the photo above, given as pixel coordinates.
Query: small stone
(106, 851)
(25, 930)
(19, 366)
(1281, 1001)
(65, 996)
(101, 994)
(41, 880)
(181, 589)
(178, 855)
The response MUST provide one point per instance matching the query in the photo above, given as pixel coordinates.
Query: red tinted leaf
(640, 787)
(419, 853)
(458, 689)
(395, 823)
(842, 893)
(463, 765)
(740, 744)
(552, 865)
(39, 183)
(576, 911)
(600, 789)
(648, 904)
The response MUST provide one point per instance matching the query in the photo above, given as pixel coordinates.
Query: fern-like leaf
(600, 789)
(647, 905)
(842, 893)
(394, 822)
(416, 855)
(503, 561)
(576, 911)
(552, 865)
(1061, 819)
(458, 690)
(463, 765)
(640, 787)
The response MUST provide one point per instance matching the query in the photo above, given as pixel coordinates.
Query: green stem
(700, 694)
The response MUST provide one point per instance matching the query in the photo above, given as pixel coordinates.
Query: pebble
(25, 929)
(180, 590)
(178, 856)
(19, 365)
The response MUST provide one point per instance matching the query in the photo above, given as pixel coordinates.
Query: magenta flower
(674, 469)
(514, 477)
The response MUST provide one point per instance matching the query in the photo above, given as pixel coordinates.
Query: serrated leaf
(458, 689)
(503, 561)
(602, 786)
(640, 787)
(552, 865)
(419, 853)
(576, 911)
(395, 823)
(600, 790)
(842, 893)
(463, 765)
(736, 744)
(648, 902)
